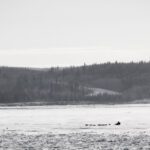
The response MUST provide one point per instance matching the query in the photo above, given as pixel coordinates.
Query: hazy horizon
(38, 59)
(73, 65)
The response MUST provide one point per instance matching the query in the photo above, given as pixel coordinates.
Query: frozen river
(73, 118)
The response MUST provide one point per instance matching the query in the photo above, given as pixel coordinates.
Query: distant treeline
(72, 84)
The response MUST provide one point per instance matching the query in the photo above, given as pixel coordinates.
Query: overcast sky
(44, 33)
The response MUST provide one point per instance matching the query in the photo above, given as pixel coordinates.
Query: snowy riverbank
(64, 127)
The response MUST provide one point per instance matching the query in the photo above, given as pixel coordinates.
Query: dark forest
(75, 85)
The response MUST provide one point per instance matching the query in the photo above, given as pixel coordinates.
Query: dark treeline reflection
(72, 85)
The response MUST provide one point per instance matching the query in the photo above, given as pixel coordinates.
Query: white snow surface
(100, 91)
(66, 119)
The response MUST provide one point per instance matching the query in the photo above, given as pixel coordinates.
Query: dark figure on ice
(118, 123)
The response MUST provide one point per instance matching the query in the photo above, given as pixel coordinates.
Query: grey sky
(46, 33)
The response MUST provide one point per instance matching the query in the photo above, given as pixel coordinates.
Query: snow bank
(74, 141)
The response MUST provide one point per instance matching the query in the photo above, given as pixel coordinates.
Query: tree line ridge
(77, 85)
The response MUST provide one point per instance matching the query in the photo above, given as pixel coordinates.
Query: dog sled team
(117, 124)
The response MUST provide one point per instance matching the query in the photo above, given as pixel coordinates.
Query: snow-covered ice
(133, 117)
(63, 127)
